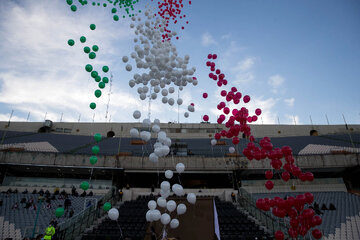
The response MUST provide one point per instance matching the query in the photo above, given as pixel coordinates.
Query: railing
(75, 226)
(265, 218)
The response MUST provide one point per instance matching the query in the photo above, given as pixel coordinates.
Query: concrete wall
(194, 130)
(194, 164)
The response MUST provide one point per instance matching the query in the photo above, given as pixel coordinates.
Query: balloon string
(121, 233)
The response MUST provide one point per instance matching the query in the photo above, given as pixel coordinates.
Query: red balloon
(233, 89)
(217, 136)
(223, 93)
(293, 233)
(294, 222)
(309, 197)
(205, 95)
(269, 174)
(279, 235)
(254, 118)
(226, 110)
(285, 176)
(214, 56)
(206, 118)
(269, 185)
(217, 71)
(302, 177)
(258, 111)
(210, 56)
(316, 233)
(246, 99)
(235, 140)
(316, 220)
(309, 176)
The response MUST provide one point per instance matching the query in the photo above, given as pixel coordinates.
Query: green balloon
(107, 206)
(87, 49)
(88, 67)
(71, 42)
(94, 74)
(101, 85)
(92, 105)
(93, 3)
(69, 2)
(105, 68)
(98, 136)
(97, 93)
(97, 79)
(84, 185)
(93, 160)
(82, 39)
(59, 212)
(113, 10)
(105, 80)
(95, 149)
(104, 5)
(92, 55)
(92, 26)
(73, 8)
(116, 18)
(95, 48)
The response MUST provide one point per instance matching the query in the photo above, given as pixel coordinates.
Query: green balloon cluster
(105, 69)
(93, 160)
(95, 149)
(88, 67)
(59, 212)
(71, 42)
(84, 185)
(82, 39)
(97, 136)
(87, 49)
(92, 105)
(107, 206)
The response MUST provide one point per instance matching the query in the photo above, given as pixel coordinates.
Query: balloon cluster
(161, 63)
(168, 207)
(127, 5)
(170, 10)
(236, 120)
(90, 69)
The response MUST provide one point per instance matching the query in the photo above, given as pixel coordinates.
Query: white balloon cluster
(159, 63)
(169, 206)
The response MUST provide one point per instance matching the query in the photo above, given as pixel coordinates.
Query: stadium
(52, 158)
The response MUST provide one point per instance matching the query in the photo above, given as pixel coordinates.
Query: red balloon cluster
(302, 219)
(170, 10)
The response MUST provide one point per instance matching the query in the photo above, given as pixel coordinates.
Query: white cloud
(276, 81)
(245, 64)
(207, 40)
(289, 101)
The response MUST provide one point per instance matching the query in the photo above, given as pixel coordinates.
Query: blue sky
(294, 58)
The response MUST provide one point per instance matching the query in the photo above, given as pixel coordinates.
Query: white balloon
(186, 114)
(161, 202)
(125, 59)
(165, 150)
(142, 96)
(131, 83)
(171, 101)
(156, 128)
(171, 205)
(156, 89)
(179, 101)
(191, 198)
(146, 122)
(151, 204)
(128, 67)
(165, 194)
(181, 209)
(191, 108)
(169, 174)
(145, 135)
(158, 152)
(180, 167)
(155, 215)
(165, 186)
(156, 121)
(148, 216)
(164, 92)
(164, 100)
(231, 149)
(153, 158)
(178, 190)
(213, 142)
(174, 223)
(168, 142)
(171, 90)
(137, 114)
(134, 133)
(153, 96)
(165, 218)
(113, 214)
(162, 136)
